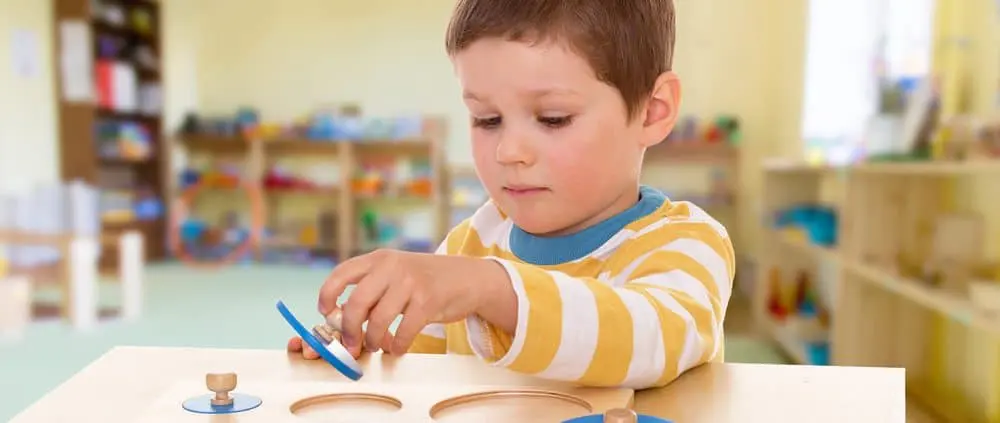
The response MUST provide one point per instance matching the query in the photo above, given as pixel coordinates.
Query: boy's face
(551, 143)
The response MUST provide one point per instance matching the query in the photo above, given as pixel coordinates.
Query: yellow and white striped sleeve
(431, 340)
(661, 314)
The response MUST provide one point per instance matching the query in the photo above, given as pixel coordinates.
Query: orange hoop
(257, 215)
(254, 193)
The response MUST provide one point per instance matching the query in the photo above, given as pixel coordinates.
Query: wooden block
(342, 402)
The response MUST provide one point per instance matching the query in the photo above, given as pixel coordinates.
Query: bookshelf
(110, 124)
(344, 196)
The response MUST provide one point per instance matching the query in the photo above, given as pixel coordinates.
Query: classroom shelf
(956, 307)
(693, 152)
(348, 156)
(881, 315)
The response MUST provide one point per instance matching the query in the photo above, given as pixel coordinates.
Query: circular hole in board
(356, 405)
(510, 406)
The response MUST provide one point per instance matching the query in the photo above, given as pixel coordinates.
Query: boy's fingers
(308, 353)
(413, 322)
(344, 274)
(294, 344)
(391, 305)
(358, 309)
(387, 343)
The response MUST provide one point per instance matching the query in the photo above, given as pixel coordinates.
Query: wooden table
(118, 386)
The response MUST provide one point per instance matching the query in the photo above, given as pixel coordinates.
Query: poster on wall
(75, 61)
(25, 53)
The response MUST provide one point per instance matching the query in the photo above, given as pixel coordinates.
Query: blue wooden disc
(333, 353)
(599, 418)
(203, 404)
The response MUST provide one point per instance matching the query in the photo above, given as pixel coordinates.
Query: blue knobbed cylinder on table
(617, 415)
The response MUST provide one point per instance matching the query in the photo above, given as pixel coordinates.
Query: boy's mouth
(523, 189)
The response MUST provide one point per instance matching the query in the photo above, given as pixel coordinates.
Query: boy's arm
(431, 340)
(660, 315)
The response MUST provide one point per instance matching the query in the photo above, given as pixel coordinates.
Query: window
(853, 48)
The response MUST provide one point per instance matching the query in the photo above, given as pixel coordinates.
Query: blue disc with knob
(203, 404)
(333, 353)
(599, 418)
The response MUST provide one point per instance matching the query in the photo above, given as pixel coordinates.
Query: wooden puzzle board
(348, 402)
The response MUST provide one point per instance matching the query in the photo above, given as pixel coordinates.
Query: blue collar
(547, 251)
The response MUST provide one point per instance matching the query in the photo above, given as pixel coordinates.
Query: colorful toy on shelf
(142, 21)
(117, 206)
(417, 179)
(379, 129)
(278, 178)
(818, 353)
(728, 128)
(247, 118)
(775, 303)
(124, 140)
(406, 127)
(819, 223)
(134, 141)
(375, 177)
(221, 175)
(724, 129)
(369, 183)
(147, 205)
(805, 296)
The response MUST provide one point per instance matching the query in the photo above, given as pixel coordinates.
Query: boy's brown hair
(628, 43)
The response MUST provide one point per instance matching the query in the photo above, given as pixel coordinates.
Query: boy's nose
(514, 149)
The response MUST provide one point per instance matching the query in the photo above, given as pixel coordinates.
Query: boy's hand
(296, 345)
(424, 288)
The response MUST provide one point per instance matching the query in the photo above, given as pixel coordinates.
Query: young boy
(573, 270)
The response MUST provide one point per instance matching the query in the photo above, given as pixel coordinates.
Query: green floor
(230, 308)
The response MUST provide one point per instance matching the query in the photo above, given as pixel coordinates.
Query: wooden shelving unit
(882, 312)
(348, 157)
(108, 60)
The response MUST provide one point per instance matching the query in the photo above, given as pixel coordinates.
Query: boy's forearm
(498, 301)
(640, 335)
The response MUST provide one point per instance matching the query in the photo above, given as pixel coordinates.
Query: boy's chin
(543, 224)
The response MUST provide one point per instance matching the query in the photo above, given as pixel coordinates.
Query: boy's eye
(490, 122)
(555, 121)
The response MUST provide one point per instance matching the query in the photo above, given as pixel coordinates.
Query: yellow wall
(734, 57)
(27, 108)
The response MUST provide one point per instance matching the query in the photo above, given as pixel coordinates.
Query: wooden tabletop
(118, 386)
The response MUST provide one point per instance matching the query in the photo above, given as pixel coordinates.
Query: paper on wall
(25, 54)
(75, 62)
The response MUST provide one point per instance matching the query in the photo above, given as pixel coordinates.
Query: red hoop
(256, 196)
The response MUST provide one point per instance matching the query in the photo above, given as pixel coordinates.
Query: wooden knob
(336, 320)
(222, 384)
(620, 415)
(326, 333)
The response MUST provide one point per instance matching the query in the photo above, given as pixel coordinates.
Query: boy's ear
(662, 109)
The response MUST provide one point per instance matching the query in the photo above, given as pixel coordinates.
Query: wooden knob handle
(620, 415)
(222, 384)
(336, 320)
(326, 333)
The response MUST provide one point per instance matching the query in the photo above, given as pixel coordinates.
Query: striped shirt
(634, 301)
